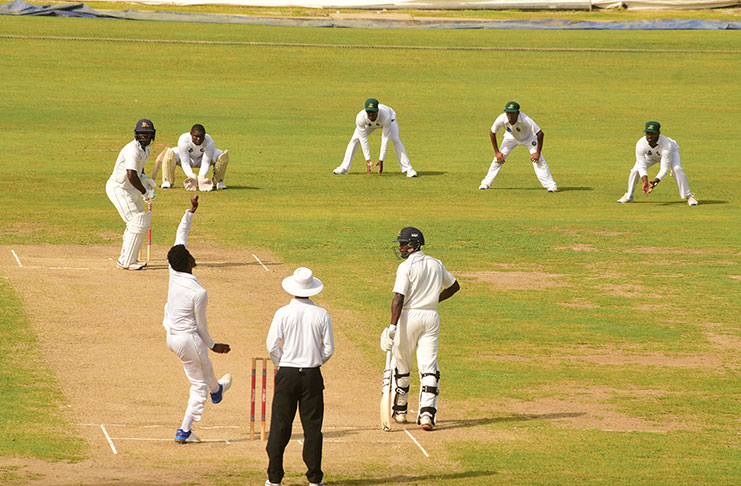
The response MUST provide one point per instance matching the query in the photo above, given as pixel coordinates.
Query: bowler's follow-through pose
(421, 283)
(187, 330)
(126, 187)
(650, 150)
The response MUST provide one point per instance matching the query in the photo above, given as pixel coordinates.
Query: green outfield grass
(654, 277)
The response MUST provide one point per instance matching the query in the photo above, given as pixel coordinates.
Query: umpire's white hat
(302, 283)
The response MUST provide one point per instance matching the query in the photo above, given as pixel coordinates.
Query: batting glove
(387, 338)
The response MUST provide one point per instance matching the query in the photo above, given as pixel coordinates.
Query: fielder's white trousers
(676, 172)
(130, 206)
(418, 330)
(193, 352)
(542, 171)
(390, 132)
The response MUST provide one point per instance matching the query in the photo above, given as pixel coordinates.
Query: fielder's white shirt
(305, 330)
(131, 157)
(420, 279)
(522, 130)
(665, 152)
(185, 310)
(386, 116)
(192, 155)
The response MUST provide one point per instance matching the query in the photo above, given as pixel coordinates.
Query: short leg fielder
(418, 329)
(676, 171)
(131, 208)
(542, 171)
(170, 158)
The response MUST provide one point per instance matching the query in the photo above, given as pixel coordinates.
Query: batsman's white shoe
(691, 201)
(339, 171)
(483, 187)
(400, 418)
(224, 384)
(166, 185)
(627, 198)
(183, 437)
(133, 266)
(411, 173)
(220, 185)
(426, 422)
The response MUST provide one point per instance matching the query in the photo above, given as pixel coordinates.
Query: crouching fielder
(650, 150)
(187, 330)
(126, 187)
(195, 150)
(421, 283)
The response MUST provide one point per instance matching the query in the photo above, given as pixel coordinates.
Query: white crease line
(16, 258)
(149, 439)
(67, 268)
(418, 444)
(258, 261)
(108, 438)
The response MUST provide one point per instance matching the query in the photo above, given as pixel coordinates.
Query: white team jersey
(665, 151)
(524, 129)
(131, 157)
(420, 279)
(194, 154)
(386, 116)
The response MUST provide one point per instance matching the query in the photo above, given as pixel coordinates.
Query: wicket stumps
(264, 365)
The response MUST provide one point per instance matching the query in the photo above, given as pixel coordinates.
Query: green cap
(371, 104)
(652, 127)
(512, 107)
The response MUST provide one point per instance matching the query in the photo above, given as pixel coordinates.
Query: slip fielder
(519, 129)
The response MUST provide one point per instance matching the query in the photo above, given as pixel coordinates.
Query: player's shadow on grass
(560, 189)
(520, 417)
(424, 479)
(683, 203)
(231, 187)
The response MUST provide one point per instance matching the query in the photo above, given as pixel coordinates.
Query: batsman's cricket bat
(386, 395)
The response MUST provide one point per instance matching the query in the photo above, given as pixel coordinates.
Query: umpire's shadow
(434, 478)
(520, 417)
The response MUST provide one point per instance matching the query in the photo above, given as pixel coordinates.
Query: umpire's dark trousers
(303, 387)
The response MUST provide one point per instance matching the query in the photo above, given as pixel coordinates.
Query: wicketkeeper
(195, 149)
(421, 283)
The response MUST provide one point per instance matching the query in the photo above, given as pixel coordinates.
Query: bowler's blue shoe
(224, 384)
(181, 436)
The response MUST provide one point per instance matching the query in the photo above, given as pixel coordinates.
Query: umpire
(305, 331)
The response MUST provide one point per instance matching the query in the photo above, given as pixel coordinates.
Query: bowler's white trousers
(417, 330)
(390, 132)
(542, 171)
(193, 352)
(676, 172)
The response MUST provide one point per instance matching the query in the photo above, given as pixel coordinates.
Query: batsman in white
(519, 129)
(187, 330)
(375, 116)
(195, 149)
(421, 283)
(650, 150)
(126, 187)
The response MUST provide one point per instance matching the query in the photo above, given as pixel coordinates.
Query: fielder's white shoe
(483, 187)
(339, 171)
(411, 173)
(134, 266)
(220, 185)
(426, 422)
(400, 418)
(166, 184)
(627, 198)
(553, 189)
(691, 201)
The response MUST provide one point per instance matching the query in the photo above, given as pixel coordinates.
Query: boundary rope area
(358, 46)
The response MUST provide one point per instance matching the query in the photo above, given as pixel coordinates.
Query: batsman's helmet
(411, 239)
(144, 127)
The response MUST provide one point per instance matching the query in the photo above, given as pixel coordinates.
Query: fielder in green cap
(519, 129)
(652, 149)
(373, 116)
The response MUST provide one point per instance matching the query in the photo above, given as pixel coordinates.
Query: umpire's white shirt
(386, 116)
(524, 129)
(306, 332)
(185, 310)
(131, 157)
(666, 152)
(420, 279)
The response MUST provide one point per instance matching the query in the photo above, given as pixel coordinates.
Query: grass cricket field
(591, 342)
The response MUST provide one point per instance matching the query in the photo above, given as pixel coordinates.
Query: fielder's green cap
(652, 127)
(371, 104)
(512, 107)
